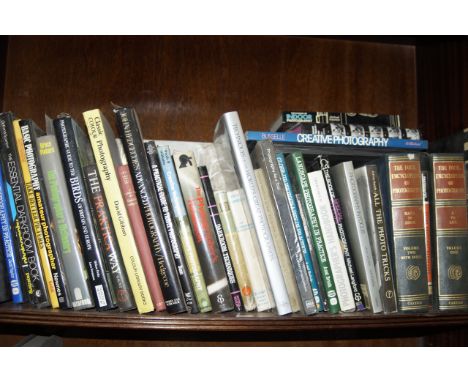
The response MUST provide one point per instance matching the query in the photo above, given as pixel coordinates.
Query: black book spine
(101, 288)
(176, 246)
(132, 140)
(217, 225)
(22, 225)
(4, 284)
(322, 163)
(28, 131)
(113, 260)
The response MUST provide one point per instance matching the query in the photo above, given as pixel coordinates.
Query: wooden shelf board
(228, 322)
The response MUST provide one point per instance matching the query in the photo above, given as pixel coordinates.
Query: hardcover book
(222, 243)
(138, 228)
(130, 134)
(368, 182)
(22, 225)
(106, 154)
(168, 219)
(63, 223)
(449, 231)
(5, 290)
(204, 235)
(229, 138)
(111, 252)
(355, 224)
(300, 185)
(322, 163)
(264, 155)
(184, 230)
(70, 139)
(402, 193)
(427, 227)
(29, 133)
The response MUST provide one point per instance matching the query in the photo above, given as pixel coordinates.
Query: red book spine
(136, 221)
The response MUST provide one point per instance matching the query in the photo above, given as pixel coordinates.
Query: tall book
(221, 239)
(184, 230)
(12, 264)
(29, 133)
(280, 244)
(368, 181)
(22, 225)
(130, 134)
(64, 224)
(264, 155)
(403, 200)
(204, 235)
(5, 290)
(229, 136)
(320, 219)
(355, 224)
(70, 140)
(138, 228)
(261, 287)
(235, 250)
(449, 231)
(322, 163)
(106, 154)
(174, 240)
(107, 236)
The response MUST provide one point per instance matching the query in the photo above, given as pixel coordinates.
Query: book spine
(34, 213)
(324, 166)
(331, 239)
(311, 268)
(134, 214)
(338, 117)
(222, 243)
(204, 235)
(244, 167)
(132, 141)
(174, 239)
(427, 230)
(5, 290)
(450, 231)
(265, 156)
(62, 219)
(22, 225)
(235, 250)
(279, 242)
(248, 240)
(347, 189)
(403, 191)
(37, 183)
(300, 183)
(368, 181)
(338, 140)
(99, 135)
(184, 230)
(12, 265)
(101, 285)
(114, 264)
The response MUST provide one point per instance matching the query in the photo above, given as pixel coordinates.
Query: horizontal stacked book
(324, 213)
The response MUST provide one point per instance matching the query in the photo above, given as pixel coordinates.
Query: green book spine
(300, 184)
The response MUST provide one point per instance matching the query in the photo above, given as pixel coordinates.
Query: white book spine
(247, 178)
(332, 241)
(245, 231)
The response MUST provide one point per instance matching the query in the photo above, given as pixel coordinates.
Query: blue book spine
(317, 139)
(6, 218)
(300, 229)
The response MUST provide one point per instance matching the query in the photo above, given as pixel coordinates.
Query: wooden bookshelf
(179, 87)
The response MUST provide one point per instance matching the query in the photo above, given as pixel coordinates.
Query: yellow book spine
(95, 125)
(35, 216)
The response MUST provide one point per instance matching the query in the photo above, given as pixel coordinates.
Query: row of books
(88, 220)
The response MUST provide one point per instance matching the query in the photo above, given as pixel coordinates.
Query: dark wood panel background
(181, 85)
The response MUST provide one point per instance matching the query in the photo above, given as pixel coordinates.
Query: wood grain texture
(181, 85)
